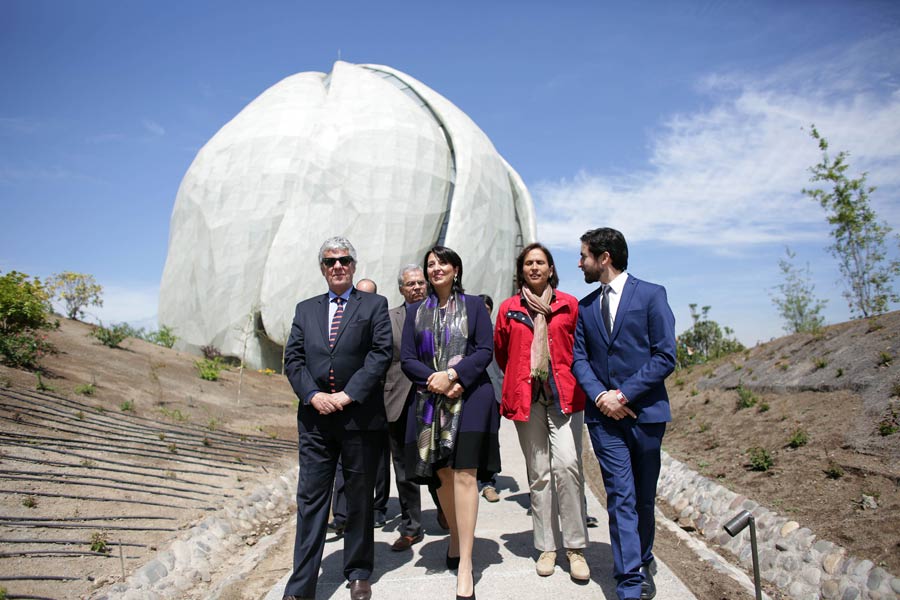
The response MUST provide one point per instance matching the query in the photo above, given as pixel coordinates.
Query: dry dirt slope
(842, 390)
(149, 453)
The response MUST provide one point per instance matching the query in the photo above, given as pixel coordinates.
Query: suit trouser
(551, 443)
(382, 488)
(629, 456)
(408, 492)
(319, 451)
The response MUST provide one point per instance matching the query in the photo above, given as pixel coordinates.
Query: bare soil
(126, 469)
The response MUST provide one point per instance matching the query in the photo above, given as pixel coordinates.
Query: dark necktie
(604, 309)
(332, 335)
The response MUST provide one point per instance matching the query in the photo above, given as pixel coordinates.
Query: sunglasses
(344, 260)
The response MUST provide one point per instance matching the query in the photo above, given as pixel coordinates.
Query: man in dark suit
(335, 359)
(411, 281)
(624, 350)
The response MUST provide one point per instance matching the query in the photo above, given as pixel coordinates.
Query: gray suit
(396, 392)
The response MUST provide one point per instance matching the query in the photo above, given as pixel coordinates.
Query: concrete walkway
(504, 554)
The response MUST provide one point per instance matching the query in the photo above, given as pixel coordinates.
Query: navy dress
(477, 446)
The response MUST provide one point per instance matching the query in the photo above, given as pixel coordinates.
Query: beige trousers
(551, 443)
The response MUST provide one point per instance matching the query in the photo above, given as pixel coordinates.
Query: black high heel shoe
(452, 562)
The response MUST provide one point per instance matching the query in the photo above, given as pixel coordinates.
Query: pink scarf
(540, 347)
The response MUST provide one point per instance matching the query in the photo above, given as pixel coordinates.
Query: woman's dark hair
(520, 264)
(445, 254)
(606, 239)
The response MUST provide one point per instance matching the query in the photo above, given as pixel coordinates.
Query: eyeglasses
(330, 260)
(412, 284)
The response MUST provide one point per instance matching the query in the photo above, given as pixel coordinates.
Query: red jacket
(512, 350)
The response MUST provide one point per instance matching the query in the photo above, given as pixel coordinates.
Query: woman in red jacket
(533, 342)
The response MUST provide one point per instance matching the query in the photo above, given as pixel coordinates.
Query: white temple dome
(366, 152)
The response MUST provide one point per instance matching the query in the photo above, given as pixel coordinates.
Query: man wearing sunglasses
(336, 357)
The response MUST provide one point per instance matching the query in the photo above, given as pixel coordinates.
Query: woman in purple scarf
(453, 419)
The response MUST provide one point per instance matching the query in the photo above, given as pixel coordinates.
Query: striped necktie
(332, 336)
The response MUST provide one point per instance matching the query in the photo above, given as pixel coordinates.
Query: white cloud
(732, 174)
(153, 127)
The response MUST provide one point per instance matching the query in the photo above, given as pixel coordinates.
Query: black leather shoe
(651, 566)
(452, 562)
(336, 528)
(360, 589)
(296, 598)
(648, 587)
(380, 521)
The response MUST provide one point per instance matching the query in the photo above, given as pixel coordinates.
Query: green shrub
(40, 385)
(127, 406)
(839, 372)
(798, 438)
(760, 459)
(209, 368)
(113, 336)
(884, 359)
(24, 314)
(164, 336)
(85, 389)
(746, 398)
(100, 543)
(763, 407)
(820, 363)
(890, 424)
(834, 470)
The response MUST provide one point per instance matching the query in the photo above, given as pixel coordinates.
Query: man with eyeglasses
(411, 281)
(335, 359)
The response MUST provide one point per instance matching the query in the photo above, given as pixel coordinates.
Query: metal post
(755, 554)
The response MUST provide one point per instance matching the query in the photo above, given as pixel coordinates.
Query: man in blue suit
(624, 350)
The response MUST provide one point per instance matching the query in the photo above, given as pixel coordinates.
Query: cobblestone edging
(206, 546)
(790, 556)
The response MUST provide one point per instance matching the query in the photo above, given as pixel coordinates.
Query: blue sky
(680, 124)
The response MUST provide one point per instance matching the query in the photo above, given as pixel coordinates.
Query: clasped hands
(329, 403)
(610, 406)
(439, 383)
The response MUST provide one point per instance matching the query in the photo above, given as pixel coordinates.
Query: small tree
(796, 300)
(706, 340)
(77, 290)
(859, 238)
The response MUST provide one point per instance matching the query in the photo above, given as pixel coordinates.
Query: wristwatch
(621, 397)
(451, 375)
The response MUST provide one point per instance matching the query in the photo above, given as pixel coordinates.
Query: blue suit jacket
(635, 359)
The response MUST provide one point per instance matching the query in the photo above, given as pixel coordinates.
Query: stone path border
(790, 556)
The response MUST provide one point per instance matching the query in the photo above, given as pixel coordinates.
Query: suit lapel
(627, 295)
(322, 317)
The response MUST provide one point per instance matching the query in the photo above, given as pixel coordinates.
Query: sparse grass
(173, 448)
(839, 372)
(40, 385)
(784, 366)
(895, 389)
(5, 382)
(834, 470)
(87, 463)
(875, 325)
(29, 502)
(738, 367)
(85, 389)
(763, 407)
(820, 363)
(679, 382)
(694, 392)
(171, 475)
(746, 398)
(890, 424)
(213, 424)
(79, 415)
(175, 414)
(760, 459)
(206, 442)
(127, 406)
(100, 543)
(798, 438)
(884, 359)
(704, 426)
(161, 436)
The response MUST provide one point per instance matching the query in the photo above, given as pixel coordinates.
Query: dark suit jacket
(396, 384)
(635, 359)
(360, 357)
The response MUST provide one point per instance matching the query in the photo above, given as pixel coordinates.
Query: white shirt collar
(618, 284)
